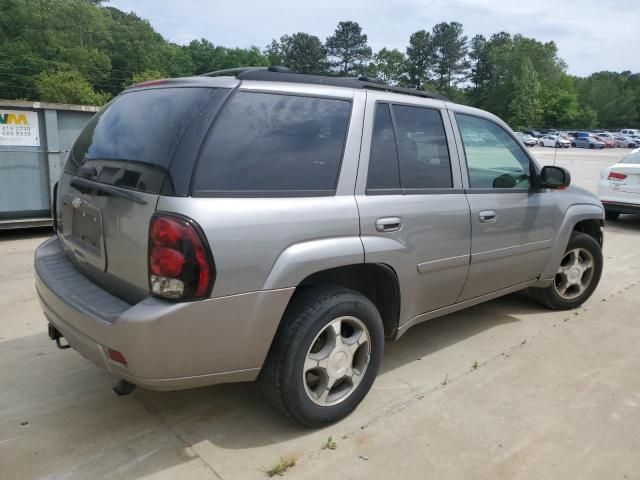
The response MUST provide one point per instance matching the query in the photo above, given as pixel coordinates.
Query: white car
(626, 142)
(629, 131)
(554, 141)
(619, 187)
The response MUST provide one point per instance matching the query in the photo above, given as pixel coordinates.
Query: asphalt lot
(552, 394)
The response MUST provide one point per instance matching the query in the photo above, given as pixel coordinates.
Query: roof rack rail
(406, 91)
(284, 74)
(237, 72)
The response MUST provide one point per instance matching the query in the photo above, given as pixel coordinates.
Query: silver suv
(258, 224)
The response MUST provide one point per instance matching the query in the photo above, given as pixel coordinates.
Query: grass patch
(330, 444)
(284, 464)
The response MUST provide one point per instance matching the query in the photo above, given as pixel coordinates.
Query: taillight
(616, 176)
(180, 263)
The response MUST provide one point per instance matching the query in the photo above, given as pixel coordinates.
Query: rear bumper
(168, 346)
(621, 207)
(615, 200)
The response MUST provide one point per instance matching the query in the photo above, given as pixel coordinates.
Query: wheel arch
(592, 227)
(378, 282)
(585, 218)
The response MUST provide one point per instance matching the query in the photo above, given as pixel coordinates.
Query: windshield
(132, 141)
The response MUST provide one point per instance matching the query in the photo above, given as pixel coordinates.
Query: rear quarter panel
(250, 236)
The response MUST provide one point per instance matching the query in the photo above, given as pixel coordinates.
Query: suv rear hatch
(142, 145)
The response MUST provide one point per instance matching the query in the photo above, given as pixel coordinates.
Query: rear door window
(266, 144)
(132, 141)
(408, 151)
(422, 148)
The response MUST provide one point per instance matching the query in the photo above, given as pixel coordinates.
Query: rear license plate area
(86, 229)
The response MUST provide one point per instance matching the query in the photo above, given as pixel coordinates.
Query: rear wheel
(325, 356)
(577, 276)
(609, 215)
(592, 146)
(573, 145)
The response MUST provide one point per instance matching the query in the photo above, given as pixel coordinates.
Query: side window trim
(383, 191)
(412, 191)
(464, 166)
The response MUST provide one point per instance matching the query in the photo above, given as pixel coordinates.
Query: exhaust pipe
(123, 388)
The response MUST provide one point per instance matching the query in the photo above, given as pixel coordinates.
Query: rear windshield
(132, 141)
(633, 158)
(266, 144)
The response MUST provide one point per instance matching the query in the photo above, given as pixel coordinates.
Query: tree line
(85, 51)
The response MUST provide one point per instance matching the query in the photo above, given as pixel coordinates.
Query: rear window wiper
(85, 185)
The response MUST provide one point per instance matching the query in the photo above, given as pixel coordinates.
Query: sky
(591, 35)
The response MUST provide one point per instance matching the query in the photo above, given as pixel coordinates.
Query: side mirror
(554, 177)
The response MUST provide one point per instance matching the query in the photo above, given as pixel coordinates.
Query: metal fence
(35, 138)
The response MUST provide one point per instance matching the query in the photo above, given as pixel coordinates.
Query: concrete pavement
(506, 389)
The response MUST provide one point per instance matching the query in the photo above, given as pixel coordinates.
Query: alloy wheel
(575, 273)
(336, 361)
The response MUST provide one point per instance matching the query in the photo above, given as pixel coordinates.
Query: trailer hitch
(55, 335)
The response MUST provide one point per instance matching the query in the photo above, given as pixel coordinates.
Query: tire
(573, 145)
(592, 146)
(609, 215)
(550, 296)
(542, 144)
(308, 319)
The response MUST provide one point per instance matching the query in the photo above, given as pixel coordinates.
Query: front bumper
(168, 346)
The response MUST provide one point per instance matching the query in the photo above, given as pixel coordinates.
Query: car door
(512, 223)
(414, 216)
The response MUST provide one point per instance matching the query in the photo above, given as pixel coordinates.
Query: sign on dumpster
(19, 128)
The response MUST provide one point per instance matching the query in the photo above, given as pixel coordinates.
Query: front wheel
(577, 276)
(325, 356)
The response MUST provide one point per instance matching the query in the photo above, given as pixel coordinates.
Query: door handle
(388, 224)
(487, 216)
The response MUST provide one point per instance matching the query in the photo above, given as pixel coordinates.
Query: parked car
(608, 135)
(619, 187)
(626, 142)
(533, 133)
(587, 142)
(528, 140)
(554, 141)
(629, 132)
(283, 244)
(608, 142)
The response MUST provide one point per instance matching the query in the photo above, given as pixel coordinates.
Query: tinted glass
(265, 143)
(383, 161)
(633, 158)
(422, 148)
(131, 142)
(494, 158)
